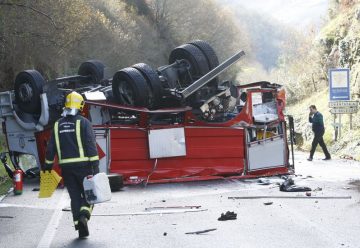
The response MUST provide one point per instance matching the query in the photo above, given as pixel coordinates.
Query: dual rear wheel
(140, 85)
(29, 85)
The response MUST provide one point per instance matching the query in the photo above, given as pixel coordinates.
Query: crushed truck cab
(176, 123)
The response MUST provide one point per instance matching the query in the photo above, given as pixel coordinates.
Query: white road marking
(50, 230)
(7, 205)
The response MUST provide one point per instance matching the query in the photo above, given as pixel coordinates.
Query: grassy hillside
(305, 75)
(5, 182)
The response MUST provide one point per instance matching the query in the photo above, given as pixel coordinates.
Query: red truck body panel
(210, 152)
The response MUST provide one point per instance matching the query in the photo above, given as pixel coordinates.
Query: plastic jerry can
(97, 188)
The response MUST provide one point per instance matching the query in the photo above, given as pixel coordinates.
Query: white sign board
(341, 104)
(164, 143)
(339, 82)
(339, 79)
(344, 110)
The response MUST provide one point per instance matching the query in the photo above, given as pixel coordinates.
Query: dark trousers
(318, 139)
(73, 179)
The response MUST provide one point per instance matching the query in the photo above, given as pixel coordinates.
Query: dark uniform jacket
(317, 123)
(73, 141)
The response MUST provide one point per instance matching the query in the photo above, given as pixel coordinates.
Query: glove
(47, 167)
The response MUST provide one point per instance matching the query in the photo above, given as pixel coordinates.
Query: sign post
(339, 82)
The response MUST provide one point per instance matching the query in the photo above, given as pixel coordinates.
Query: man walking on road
(73, 141)
(316, 118)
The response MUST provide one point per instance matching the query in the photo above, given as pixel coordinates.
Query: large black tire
(94, 69)
(208, 51)
(195, 57)
(154, 83)
(116, 181)
(210, 55)
(28, 88)
(130, 88)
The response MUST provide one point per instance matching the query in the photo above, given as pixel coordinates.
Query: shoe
(329, 158)
(309, 159)
(83, 227)
(227, 216)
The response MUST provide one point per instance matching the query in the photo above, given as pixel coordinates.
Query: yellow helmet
(74, 101)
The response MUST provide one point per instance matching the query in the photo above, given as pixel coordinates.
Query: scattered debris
(227, 216)
(268, 203)
(36, 189)
(163, 200)
(6, 217)
(308, 193)
(347, 157)
(165, 233)
(153, 212)
(172, 207)
(355, 183)
(66, 209)
(286, 197)
(346, 187)
(317, 189)
(289, 186)
(275, 186)
(203, 231)
(316, 201)
(263, 181)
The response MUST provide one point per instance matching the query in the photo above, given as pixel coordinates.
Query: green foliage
(54, 36)
(5, 184)
(5, 181)
(331, 29)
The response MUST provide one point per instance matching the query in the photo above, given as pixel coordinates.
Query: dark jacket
(73, 140)
(317, 123)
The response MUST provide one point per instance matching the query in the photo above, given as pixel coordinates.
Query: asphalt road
(26, 221)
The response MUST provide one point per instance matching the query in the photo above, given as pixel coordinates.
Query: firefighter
(73, 141)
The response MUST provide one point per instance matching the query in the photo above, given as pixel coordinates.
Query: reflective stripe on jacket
(73, 141)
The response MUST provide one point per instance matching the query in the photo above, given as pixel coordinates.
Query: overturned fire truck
(176, 123)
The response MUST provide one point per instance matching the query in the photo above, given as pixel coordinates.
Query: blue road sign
(339, 81)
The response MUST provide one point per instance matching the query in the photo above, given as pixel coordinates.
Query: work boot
(83, 227)
(327, 158)
(309, 159)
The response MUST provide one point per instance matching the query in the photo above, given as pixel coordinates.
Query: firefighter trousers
(73, 180)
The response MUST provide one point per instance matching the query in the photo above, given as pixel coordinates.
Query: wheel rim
(25, 92)
(126, 93)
